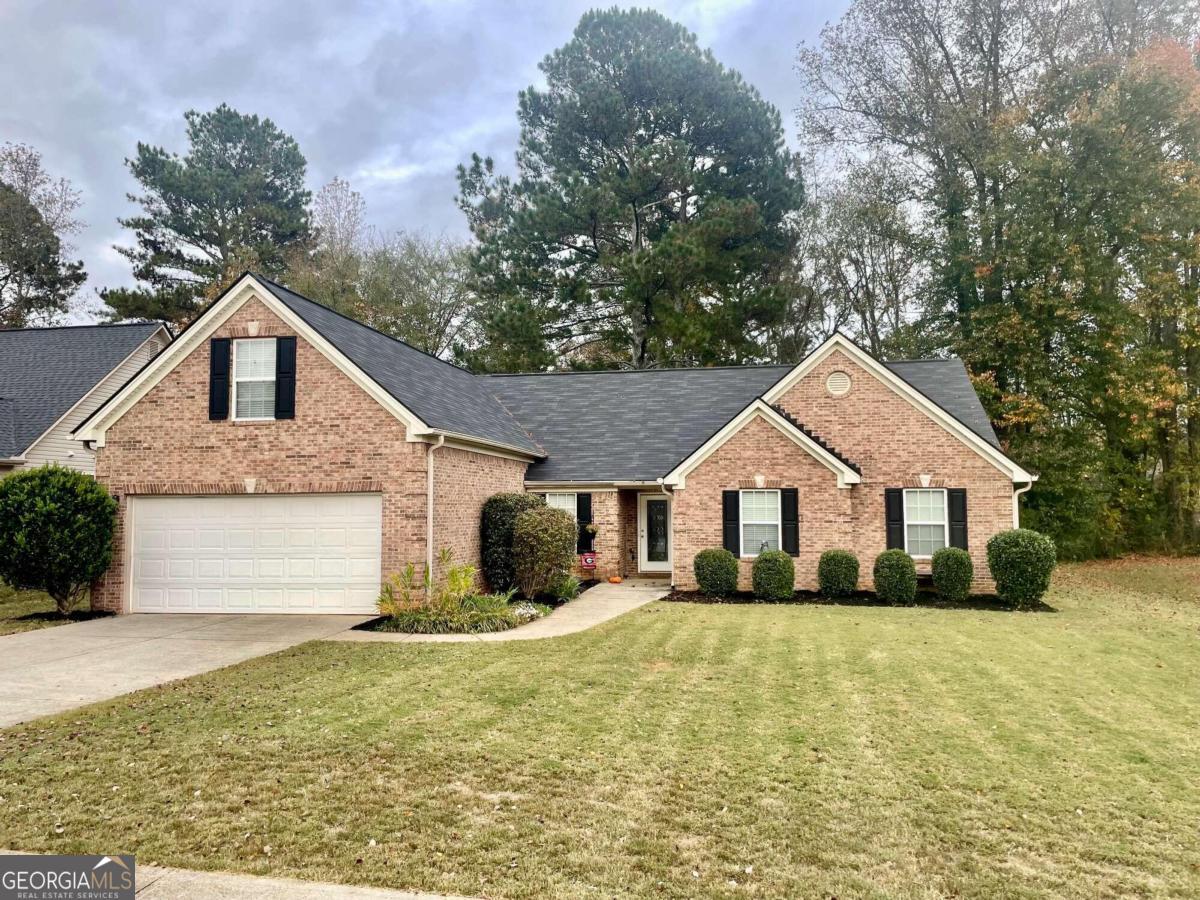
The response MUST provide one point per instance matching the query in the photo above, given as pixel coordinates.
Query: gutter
(429, 511)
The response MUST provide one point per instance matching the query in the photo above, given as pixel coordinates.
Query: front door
(654, 533)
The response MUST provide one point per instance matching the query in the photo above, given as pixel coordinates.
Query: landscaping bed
(31, 610)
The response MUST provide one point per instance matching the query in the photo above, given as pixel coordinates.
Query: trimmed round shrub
(543, 549)
(953, 572)
(56, 529)
(1021, 561)
(497, 524)
(837, 573)
(773, 576)
(895, 577)
(716, 572)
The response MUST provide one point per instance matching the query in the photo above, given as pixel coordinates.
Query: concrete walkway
(599, 604)
(55, 669)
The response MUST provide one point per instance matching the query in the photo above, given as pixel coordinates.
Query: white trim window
(564, 501)
(760, 514)
(254, 379)
(926, 521)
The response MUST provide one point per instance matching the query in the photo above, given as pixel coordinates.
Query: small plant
(497, 526)
(402, 592)
(543, 549)
(56, 530)
(953, 573)
(1021, 561)
(837, 574)
(773, 576)
(565, 588)
(895, 577)
(716, 572)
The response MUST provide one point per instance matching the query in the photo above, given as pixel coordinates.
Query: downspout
(429, 509)
(1017, 504)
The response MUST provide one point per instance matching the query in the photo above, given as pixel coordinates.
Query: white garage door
(270, 553)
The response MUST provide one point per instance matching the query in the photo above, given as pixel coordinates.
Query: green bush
(953, 572)
(56, 529)
(496, 528)
(837, 573)
(1021, 561)
(543, 549)
(773, 576)
(895, 577)
(716, 572)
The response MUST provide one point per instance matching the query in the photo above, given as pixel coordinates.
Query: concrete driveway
(56, 669)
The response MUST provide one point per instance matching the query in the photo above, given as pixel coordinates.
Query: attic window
(838, 383)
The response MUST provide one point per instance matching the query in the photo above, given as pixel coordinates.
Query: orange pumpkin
(615, 579)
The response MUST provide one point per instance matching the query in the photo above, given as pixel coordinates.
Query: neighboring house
(51, 379)
(280, 457)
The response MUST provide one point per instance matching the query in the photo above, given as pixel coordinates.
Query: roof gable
(846, 471)
(45, 372)
(396, 375)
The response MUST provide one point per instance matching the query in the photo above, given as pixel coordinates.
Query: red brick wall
(759, 449)
(892, 441)
(341, 440)
(462, 482)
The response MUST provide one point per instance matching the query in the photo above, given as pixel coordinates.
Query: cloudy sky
(390, 94)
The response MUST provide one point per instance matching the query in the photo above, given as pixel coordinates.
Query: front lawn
(30, 610)
(682, 750)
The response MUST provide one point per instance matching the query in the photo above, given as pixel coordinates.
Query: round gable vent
(838, 383)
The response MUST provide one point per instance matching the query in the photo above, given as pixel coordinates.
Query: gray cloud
(387, 93)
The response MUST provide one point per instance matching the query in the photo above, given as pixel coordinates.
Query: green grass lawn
(30, 610)
(680, 751)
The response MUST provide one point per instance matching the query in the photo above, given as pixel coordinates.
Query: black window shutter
(285, 378)
(218, 379)
(790, 514)
(586, 542)
(731, 522)
(893, 503)
(958, 517)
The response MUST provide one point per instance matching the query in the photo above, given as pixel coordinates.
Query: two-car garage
(255, 553)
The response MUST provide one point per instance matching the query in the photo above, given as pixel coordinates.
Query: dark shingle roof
(638, 425)
(946, 383)
(626, 426)
(45, 371)
(446, 397)
(8, 444)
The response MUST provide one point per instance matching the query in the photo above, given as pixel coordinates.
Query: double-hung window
(565, 502)
(254, 379)
(761, 523)
(926, 525)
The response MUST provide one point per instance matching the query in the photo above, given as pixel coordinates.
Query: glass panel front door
(654, 533)
(657, 532)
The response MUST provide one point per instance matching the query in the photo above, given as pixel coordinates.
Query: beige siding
(58, 446)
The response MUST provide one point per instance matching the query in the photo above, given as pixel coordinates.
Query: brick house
(280, 457)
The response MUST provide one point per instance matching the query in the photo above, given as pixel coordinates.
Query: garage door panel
(269, 553)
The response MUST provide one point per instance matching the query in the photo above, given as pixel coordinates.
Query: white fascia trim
(473, 445)
(162, 329)
(759, 408)
(905, 390)
(247, 288)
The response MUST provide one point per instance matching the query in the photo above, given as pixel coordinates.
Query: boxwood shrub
(953, 572)
(895, 577)
(716, 572)
(1021, 561)
(496, 527)
(543, 549)
(837, 573)
(773, 576)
